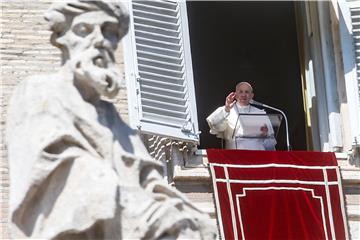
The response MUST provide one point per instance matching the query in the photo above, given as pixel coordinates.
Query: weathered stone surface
(77, 171)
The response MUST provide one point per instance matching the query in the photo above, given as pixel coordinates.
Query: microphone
(253, 102)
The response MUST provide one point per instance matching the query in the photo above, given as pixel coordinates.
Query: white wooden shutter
(355, 19)
(159, 70)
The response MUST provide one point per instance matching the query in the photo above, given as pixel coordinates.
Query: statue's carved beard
(96, 68)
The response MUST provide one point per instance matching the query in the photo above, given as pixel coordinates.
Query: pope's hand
(230, 101)
(264, 130)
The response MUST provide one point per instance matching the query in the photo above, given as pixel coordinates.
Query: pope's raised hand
(230, 101)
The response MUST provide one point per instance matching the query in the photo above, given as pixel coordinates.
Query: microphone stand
(232, 137)
(282, 113)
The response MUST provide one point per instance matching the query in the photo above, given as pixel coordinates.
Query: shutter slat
(156, 23)
(158, 44)
(159, 57)
(154, 29)
(160, 71)
(155, 16)
(158, 84)
(151, 87)
(159, 4)
(160, 64)
(163, 105)
(155, 90)
(158, 50)
(162, 78)
(149, 8)
(161, 111)
(163, 98)
(156, 36)
(163, 120)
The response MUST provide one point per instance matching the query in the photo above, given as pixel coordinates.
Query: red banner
(277, 195)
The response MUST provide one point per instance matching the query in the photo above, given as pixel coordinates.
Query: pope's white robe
(223, 124)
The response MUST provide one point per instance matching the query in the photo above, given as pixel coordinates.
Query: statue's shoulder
(40, 81)
(38, 85)
(29, 97)
(35, 91)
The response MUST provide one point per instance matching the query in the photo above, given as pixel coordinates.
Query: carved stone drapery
(77, 171)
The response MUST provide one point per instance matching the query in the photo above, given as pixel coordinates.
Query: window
(159, 67)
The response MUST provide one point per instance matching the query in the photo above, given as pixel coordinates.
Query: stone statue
(77, 171)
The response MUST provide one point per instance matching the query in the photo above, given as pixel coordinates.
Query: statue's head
(87, 33)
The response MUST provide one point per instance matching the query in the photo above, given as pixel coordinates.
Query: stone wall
(26, 50)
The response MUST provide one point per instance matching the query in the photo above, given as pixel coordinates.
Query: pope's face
(243, 94)
(91, 42)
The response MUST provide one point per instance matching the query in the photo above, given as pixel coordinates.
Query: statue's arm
(174, 203)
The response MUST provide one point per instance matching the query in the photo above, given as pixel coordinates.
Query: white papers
(250, 125)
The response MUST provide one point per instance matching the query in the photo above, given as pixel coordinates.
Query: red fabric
(277, 195)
